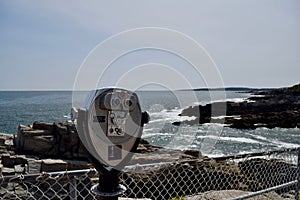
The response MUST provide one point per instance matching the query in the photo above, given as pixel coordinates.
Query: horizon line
(201, 88)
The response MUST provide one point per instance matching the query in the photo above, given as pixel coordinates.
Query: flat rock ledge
(45, 147)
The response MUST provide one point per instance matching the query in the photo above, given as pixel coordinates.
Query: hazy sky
(254, 43)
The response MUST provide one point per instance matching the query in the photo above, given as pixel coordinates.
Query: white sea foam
(283, 144)
(164, 113)
(147, 135)
(160, 120)
(160, 130)
(259, 137)
(236, 100)
(219, 117)
(234, 139)
(223, 116)
(214, 155)
(147, 129)
(187, 118)
(275, 142)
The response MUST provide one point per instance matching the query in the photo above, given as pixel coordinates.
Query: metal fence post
(73, 189)
(298, 177)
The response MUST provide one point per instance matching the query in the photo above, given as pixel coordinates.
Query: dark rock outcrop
(274, 108)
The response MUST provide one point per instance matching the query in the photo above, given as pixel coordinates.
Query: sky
(254, 43)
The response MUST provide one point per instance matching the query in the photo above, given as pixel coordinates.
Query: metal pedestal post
(108, 187)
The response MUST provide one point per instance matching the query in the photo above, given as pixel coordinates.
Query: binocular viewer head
(111, 125)
(118, 100)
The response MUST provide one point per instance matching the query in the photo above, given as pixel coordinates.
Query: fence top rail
(28, 177)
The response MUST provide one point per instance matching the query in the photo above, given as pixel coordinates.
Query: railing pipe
(253, 194)
(297, 189)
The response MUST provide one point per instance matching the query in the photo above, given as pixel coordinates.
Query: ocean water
(25, 107)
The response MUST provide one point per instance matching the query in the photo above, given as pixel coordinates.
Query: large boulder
(59, 139)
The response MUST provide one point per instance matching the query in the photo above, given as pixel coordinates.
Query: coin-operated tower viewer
(110, 127)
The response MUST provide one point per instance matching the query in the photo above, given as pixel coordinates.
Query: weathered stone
(25, 140)
(24, 128)
(69, 143)
(61, 128)
(33, 133)
(193, 153)
(2, 141)
(158, 156)
(43, 126)
(51, 165)
(34, 165)
(3, 150)
(6, 140)
(9, 142)
(7, 161)
(6, 171)
(20, 169)
(40, 145)
(77, 165)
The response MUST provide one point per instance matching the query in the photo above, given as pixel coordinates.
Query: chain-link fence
(232, 177)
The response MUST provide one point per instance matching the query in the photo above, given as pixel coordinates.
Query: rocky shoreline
(44, 147)
(57, 147)
(274, 108)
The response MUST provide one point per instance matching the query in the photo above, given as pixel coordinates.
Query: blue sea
(25, 107)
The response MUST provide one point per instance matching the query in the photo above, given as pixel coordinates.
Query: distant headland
(266, 108)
